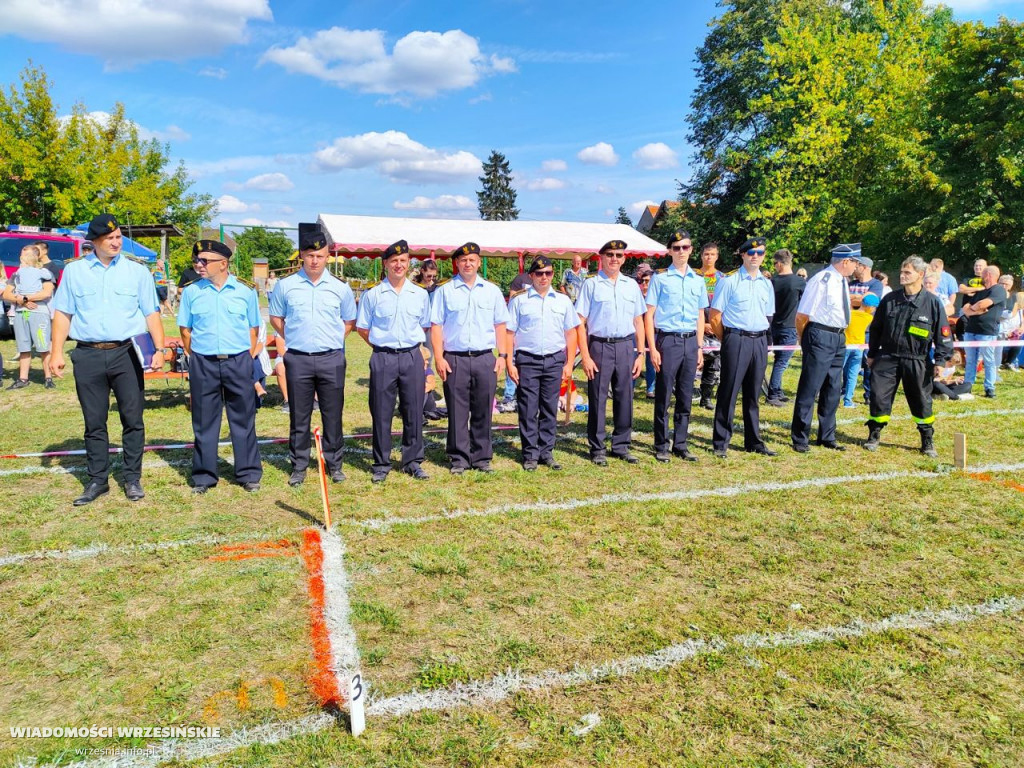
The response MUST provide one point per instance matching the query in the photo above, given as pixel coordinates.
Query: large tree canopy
(58, 171)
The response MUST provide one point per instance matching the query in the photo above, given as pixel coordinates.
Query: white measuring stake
(960, 450)
(356, 712)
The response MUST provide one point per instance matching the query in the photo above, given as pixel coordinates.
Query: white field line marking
(502, 686)
(384, 523)
(338, 612)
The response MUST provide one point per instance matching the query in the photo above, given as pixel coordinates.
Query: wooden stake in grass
(960, 450)
(323, 477)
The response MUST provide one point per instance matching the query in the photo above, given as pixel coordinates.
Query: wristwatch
(503, 354)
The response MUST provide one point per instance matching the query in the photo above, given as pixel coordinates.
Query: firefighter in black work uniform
(907, 324)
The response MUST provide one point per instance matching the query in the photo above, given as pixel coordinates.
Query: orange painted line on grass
(246, 556)
(252, 549)
(323, 680)
(985, 477)
(281, 544)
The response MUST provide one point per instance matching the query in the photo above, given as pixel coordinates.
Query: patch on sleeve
(945, 332)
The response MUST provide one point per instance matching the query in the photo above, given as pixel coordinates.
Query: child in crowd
(29, 292)
(945, 379)
(856, 333)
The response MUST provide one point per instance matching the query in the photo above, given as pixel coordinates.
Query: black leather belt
(311, 354)
(393, 351)
(610, 339)
(223, 357)
(539, 357)
(471, 352)
(751, 334)
(826, 327)
(104, 344)
(679, 334)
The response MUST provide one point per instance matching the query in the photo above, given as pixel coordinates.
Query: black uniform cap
(539, 263)
(395, 249)
(211, 246)
(675, 237)
(312, 241)
(102, 225)
(753, 242)
(465, 250)
(613, 245)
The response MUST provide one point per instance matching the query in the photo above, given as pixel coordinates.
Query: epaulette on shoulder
(442, 282)
(339, 279)
(591, 275)
(520, 292)
(730, 274)
(659, 271)
(191, 282)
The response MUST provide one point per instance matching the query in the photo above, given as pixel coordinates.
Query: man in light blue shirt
(676, 302)
(103, 300)
(542, 336)
(611, 337)
(219, 320)
(392, 316)
(314, 311)
(739, 317)
(468, 316)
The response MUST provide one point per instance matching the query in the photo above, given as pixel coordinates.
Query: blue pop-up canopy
(128, 246)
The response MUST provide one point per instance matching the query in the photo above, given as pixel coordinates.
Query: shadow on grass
(299, 513)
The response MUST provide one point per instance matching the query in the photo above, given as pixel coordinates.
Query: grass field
(827, 609)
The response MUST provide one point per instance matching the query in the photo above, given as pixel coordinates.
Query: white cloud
(394, 155)
(601, 153)
(609, 213)
(547, 184)
(421, 63)
(637, 208)
(170, 133)
(287, 210)
(203, 168)
(965, 6)
(253, 222)
(554, 166)
(481, 98)
(139, 30)
(604, 189)
(270, 182)
(440, 203)
(231, 204)
(656, 156)
(218, 73)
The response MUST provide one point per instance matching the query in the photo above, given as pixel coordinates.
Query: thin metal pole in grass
(323, 477)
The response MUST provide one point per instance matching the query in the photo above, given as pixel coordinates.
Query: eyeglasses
(679, 248)
(204, 262)
(614, 255)
(544, 273)
(645, 279)
(755, 252)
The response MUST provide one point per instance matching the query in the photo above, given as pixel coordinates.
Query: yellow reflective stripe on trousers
(880, 419)
(929, 420)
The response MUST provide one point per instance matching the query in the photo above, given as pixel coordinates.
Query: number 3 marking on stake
(357, 687)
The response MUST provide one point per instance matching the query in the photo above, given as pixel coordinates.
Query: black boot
(874, 435)
(927, 443)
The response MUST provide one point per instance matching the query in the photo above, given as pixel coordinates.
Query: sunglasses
(756, 252)
(204, 262)
(544, 273)
(645, 279)
(680, 248)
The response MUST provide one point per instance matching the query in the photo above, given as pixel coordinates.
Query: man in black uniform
(908, 324)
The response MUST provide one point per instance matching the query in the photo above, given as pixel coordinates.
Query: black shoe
(684, 454)
(721, 452)
(337, 476)
(92, 492)
(801, 448)
(706, 404)
(19, 384)
(486, 468)
(250, 487)
(663, 456)
(298, 477)
(133, 490)
(783, 398)
(599, 461)
(530, 466)
(49, 384)
(551, 464)
(629, 458)
(764, 450)
(775, 402)
(379, 476)
(416, 472)
(198, 490)
(832, 445)
(990, 394)
(457, 470)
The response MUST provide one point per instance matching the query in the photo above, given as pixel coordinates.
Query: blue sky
(283, 111)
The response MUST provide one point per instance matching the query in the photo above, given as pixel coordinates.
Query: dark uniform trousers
(678, 368)
(614, 360)
(916, 375)
(97, 373)
(397, 374)
(744, 358)
(217, 384)
(469, 394)
(710, 374)
(821, 376)
(540, 380)
(322, 373)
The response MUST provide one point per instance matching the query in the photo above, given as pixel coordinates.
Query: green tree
(62, 171)
(496, 201)
(261, 243)
(623, 217)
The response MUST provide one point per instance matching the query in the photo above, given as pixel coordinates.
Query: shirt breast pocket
(329, 305)
(85, 297)
(604, 295)
(237, 308)
(125, 298)
(384, 311)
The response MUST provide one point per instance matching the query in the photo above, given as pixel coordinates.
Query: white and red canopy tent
(368, 236)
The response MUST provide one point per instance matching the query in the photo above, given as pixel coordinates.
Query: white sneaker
(966, 396)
